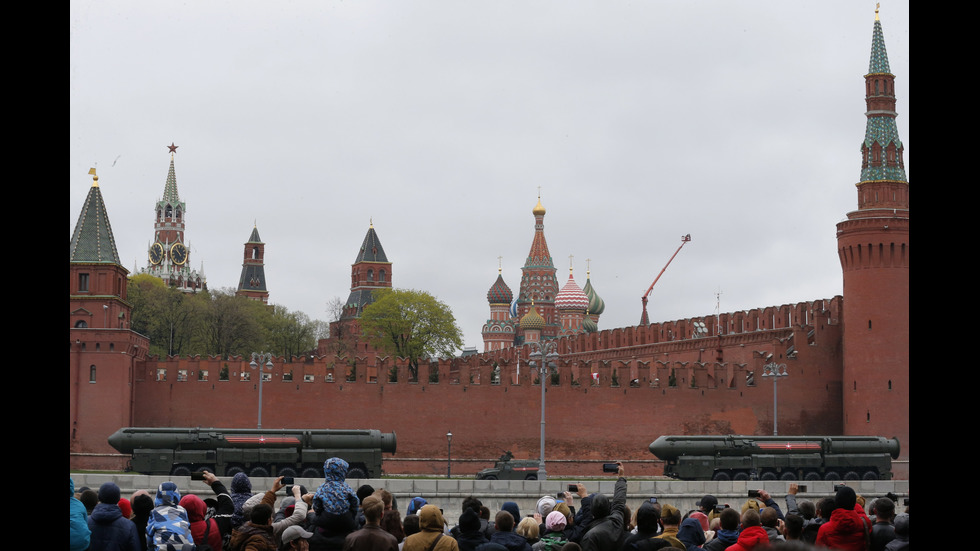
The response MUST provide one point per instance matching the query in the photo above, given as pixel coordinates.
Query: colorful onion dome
(589, 326)
(532, 320)
(571, 296)
(596, 304)
(513, 308)
(499, 292)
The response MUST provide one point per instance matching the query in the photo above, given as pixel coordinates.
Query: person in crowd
(256, 534)
(727, 533)
(469, 533)
(504, 533)
(527, 528)
(848, 528)
(295, 538)
(670, 519)
(78, 531)
(110, 530)
(241, 490)
(269, 498)
(372, 537)
(691, 534)
(168, 525)
(752, 535)
(883, 530)
(431, 537)
(606, 532)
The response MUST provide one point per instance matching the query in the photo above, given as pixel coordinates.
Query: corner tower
(103, 350)
(873, 245)
(169, 256)
(252, 282)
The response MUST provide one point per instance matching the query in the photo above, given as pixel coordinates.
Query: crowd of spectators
(336, 517)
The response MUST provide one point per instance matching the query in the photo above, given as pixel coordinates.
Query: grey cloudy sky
(736, 122)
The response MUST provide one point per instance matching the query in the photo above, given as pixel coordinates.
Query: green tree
(411, 324)
(291, 333)
(232, 325)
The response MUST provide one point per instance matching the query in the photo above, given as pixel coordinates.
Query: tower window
(370, 275)
(889, 384)
(255, 253)
(381, 276)
(91, 374)
(869, 324)
(81, 324)
(82, 283)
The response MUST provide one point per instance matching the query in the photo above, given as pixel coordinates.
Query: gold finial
(500, 265)
(877, 6)
(570, 257)
(371, 222)
(95, 177)
(588, 267)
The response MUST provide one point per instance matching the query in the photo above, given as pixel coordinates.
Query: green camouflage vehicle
(507, 468)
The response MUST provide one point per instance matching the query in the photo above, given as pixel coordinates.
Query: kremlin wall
(614, 390)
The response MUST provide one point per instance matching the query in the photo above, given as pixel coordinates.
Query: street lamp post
(774, 370)
(449, 462)
(259, 358)
(542, 362)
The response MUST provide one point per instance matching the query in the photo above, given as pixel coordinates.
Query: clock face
(156, 253)
(178, 253)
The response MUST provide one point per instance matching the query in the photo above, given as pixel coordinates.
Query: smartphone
(753, 493)
(197, 475)
(573, 488)
(801, 488)
(287, 481)
(610, 468)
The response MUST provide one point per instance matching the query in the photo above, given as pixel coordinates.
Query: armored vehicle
(508, 468)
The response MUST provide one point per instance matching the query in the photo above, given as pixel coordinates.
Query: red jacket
(196, 510)
(846, 529)
(750, 538)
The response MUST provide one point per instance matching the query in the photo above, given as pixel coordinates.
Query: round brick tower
(873, 244)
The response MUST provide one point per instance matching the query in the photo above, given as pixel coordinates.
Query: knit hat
(545, 505)
(109, 493)
(555, 521)
(125, 507)
(563, 509)
(751, 504)
(469, 521)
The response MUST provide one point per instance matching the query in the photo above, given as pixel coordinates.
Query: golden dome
(539, 208)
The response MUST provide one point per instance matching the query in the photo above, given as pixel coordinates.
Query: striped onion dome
(532, 320)
(571, 296)
(596, 304)
(589, 326)
(513, 308)
(499, 292)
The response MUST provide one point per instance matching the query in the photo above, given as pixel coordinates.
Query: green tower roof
(92, 240)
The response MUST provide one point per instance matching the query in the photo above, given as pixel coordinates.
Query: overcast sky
(737, 122)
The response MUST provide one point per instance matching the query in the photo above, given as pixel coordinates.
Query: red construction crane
(645, 319)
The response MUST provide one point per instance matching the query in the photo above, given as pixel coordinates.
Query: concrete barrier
(448, 494)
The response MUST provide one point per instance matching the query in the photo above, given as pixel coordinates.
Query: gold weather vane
(570, 257)
(500, 264)
(877, 6)
(588, 267)
(371, 222)
(95, 177)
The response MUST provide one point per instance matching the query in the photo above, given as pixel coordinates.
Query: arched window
(91, 374)
(370, 275)
(381, 276)
(169, 211)
(255, 253)
(81, 324)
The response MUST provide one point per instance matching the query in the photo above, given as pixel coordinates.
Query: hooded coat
(111, 531)
(751, 538)
(196, 510)
(691, 534)
(431, 522)
(845, 530)
(335, 496)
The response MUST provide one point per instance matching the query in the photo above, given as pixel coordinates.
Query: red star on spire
(172, 147)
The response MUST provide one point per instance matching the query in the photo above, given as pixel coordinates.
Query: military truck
(508, 468)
